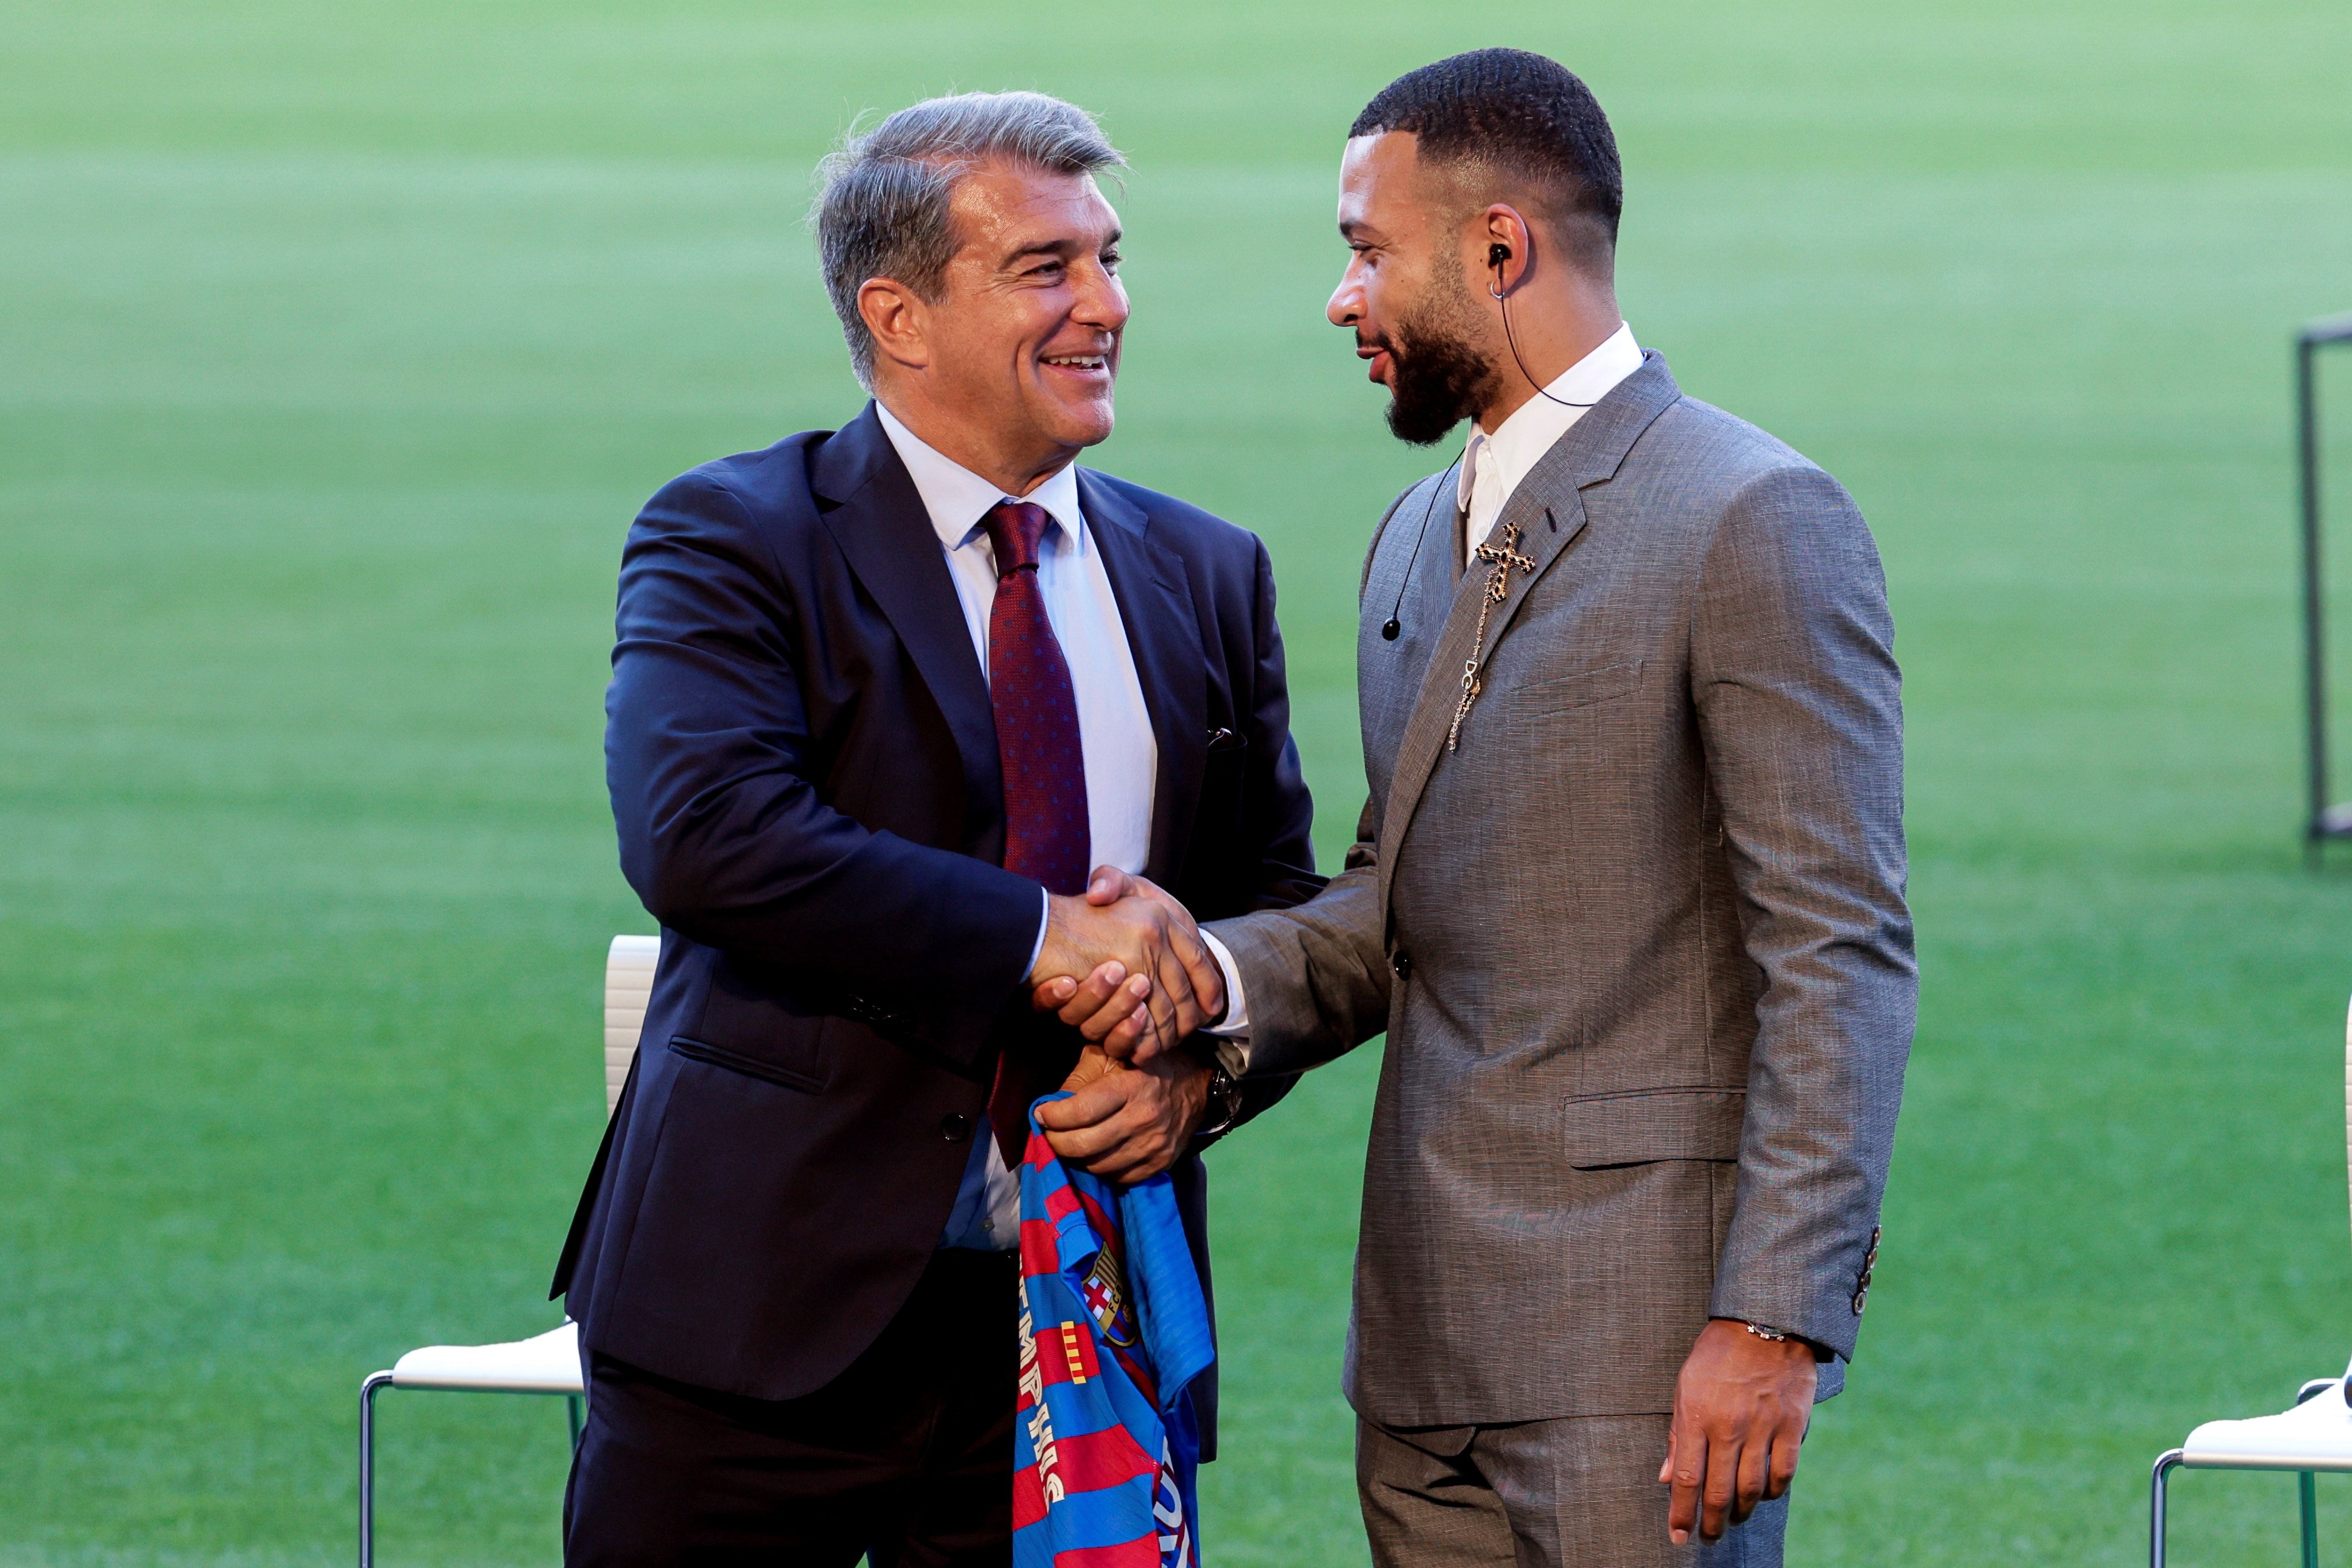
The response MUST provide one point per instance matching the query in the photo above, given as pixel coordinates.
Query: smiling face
(1404, 294)
(1009, 370)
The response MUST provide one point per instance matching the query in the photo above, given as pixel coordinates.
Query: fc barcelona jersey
(1113, 1331)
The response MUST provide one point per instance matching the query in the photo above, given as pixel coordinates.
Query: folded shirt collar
(958, 499)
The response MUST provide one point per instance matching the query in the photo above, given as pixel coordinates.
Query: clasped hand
(1125, 1124)
(1125, 966)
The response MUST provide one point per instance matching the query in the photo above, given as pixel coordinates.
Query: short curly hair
(1521, 118)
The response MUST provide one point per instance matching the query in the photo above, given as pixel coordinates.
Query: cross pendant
(1500, 559)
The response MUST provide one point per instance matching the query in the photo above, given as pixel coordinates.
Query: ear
(1505, 247)
(899, 320)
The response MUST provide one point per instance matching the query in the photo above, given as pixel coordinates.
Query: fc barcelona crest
(1104, 1290)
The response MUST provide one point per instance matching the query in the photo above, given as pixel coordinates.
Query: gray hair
(883, 209)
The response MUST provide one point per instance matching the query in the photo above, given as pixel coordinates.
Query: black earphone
(1389, 632)
(1497, 253)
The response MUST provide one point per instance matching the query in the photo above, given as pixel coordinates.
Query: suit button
(1401, 963)
(955, 1128)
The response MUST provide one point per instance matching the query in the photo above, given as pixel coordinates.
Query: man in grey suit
(1627, 897)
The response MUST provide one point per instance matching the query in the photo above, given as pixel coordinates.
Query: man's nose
(1346, 304)
(1102, 300)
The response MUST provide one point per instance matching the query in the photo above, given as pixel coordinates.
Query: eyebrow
(1058, 247)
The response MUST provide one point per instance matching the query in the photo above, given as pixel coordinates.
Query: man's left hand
(1126, 1123)
(1741, 1405)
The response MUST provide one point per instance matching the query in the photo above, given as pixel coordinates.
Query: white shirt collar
(957, 498)
(1521, 440)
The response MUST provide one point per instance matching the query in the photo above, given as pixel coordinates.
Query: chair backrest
(628, 984)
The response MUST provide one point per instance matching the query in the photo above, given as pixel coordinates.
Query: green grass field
(339, 344)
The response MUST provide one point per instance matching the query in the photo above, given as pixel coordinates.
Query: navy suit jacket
(803, 771)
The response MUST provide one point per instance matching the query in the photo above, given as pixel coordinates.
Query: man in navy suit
(882, 700)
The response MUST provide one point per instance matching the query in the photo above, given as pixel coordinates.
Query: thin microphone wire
(1389, 632)
(1505, 301)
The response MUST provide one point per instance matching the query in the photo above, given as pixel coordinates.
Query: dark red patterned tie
(1045, 830)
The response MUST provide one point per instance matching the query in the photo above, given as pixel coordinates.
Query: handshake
(1124, 964)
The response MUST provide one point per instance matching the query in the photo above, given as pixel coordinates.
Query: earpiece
(1497, 253)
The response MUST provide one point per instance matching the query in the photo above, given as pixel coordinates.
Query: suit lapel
(1588, 454)
(1407, 576)
(877, 518)
(1155, 604)
(1548, 507)
(1424, 741)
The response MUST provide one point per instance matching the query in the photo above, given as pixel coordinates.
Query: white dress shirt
(1122, 755)
(1492, 467)
(1494, 464)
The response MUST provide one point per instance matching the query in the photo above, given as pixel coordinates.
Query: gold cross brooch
(1499, 560)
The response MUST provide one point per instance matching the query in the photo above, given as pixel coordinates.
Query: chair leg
(572, 1409)
(2308, 1485)
(367, 1465)
(2165, 1464)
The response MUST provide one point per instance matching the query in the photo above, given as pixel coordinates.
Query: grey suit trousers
(1579, 1492)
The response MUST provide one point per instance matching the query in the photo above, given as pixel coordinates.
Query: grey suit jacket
(1640, 945)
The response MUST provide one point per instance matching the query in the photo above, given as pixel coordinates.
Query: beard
(1437, 378)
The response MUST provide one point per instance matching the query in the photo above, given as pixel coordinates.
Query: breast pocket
(1567, 693)
(1225, 770)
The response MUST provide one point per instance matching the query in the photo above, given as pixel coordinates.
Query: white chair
(2315, 1436)
(544, 1363)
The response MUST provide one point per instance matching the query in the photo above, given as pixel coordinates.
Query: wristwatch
(1224, 1107)
(1778, 1336)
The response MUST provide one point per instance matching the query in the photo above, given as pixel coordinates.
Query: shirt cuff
(1232, 1030)
(1044, 918)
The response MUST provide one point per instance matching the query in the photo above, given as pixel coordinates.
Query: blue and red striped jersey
(1114, 1329)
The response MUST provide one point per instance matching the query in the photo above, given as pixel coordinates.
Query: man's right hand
(1125, 964)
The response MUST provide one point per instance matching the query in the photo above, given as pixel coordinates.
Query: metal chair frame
(628, 979)
(575, 1408)
(2307, 1489)
(2306, 1476)
(2327, 819)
